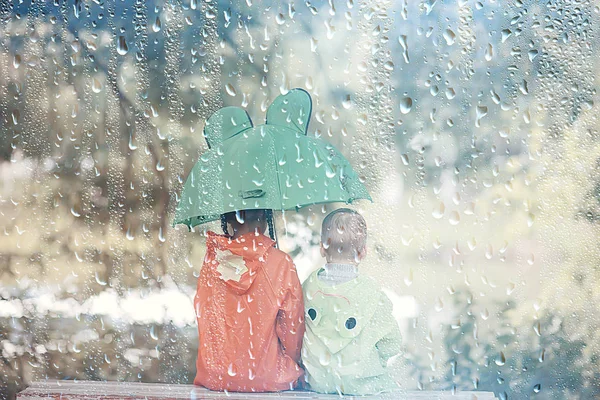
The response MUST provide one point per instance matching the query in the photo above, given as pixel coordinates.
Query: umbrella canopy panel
(272, 166)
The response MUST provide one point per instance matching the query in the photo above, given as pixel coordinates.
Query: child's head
(344, 236)
(240, 222)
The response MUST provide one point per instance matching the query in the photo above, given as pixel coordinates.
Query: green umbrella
(272, 166)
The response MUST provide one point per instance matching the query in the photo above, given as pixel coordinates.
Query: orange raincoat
(250, 314)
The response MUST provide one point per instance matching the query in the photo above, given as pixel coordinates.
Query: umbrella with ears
(273, 166)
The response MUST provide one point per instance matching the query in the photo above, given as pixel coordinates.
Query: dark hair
(268, 216)
(224, 224)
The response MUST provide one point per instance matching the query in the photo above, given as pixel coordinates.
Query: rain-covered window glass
(472, 124)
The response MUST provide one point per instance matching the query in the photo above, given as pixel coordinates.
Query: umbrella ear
(225, 123)
(291, 110)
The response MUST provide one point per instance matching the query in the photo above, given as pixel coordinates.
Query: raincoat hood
(249, 308)
(237, 261)
(350, 335)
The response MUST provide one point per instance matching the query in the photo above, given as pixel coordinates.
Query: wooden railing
(88, 390)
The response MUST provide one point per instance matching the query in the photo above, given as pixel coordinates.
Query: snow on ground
(137, 306)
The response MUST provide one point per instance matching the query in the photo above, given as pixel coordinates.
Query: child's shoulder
(278, 262)
(364, 286)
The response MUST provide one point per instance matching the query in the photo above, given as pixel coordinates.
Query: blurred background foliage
(473, 124)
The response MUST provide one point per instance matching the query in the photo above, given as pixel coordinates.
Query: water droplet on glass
(231, 371)
(156, 26)
(17, 61)
(230, 90)
(96, 85)
(408, 279)
(438, 212)
(15, 115)
(429, 4)
(439, 305)
(454, 218)
(153, 333)
(406, 105)
(449, 36)
(402, 39)
(122, 48)
(537, 328)
(523, 87)
(500, 360)
(489, 52)
(210, 14)
(98, 280)
(347, 102)
(129, 235)
(532, 54)
(480, 111)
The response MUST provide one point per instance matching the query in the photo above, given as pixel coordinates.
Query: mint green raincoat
(350, 336)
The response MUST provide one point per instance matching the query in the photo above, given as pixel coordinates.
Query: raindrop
(438, 212)
(406, 105)
(523, 87)
(231, 370)
(454, 218)
(156, 26)
(485, 314)
(17, 61)
(439, 305)
(500, 360)
(324, 358)
(347, 102)
(481, 111)
(449, 36)
(489, 52)
(98, 280)
(96, 85)
(153, 333)
(532, 54)
(537, 388)
(402, 39)
(429, 4)
(15, 116)
(313, 44)
(230, 90)
(408, 280)
(122, 48)
(537, 328)
(210, 14)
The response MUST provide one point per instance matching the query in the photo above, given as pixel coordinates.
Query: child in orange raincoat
(249, 308)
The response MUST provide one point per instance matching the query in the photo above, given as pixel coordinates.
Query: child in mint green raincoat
(350, 331)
